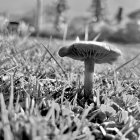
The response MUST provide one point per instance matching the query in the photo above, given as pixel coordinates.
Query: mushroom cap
(101, 52)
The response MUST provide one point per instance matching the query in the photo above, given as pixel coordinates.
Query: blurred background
(116, 21)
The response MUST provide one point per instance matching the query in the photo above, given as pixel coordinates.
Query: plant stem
(88, 80)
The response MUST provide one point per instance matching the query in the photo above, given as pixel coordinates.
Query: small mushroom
(90, 52)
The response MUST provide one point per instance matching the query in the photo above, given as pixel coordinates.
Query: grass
(42, 94)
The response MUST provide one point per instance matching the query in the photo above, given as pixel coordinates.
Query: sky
(77, 7)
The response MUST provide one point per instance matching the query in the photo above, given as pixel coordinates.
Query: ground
(42, 94)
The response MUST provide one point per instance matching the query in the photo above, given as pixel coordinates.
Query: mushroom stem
(88, 80)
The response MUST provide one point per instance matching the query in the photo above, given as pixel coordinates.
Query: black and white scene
(70, 70)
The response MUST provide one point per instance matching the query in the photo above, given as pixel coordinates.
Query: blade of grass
(3, 72)
(127, 62)
(43, 57)
(27, 103)
(32, 105)
(5, 120)
(118, 68)
(86, 111)
(10, 107)
(2, 103)
(51, 113)
(14, 55)
(39, 63)
(17, 103)
(62, 96)
(53, 58)
(49, 58)
(75, 100)
(97, 37)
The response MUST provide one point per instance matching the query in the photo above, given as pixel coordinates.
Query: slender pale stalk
(10, 107)
(65, 33)
(88, 80)
(86, 32)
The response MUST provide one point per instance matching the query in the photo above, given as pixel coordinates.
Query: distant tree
(30, 17)
(97, 9)
(119, 14)
(60, 7)
(38, 15)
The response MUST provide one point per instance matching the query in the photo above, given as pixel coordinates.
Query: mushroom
(90, 52)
